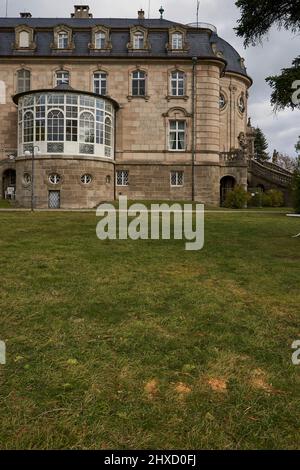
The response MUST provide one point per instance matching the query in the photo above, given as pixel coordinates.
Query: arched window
(177, 41)
(28, 127)
(177, 83)
(55, 126)
(138, 40)
(100, 83)
(108, 132)
(62, 40)
(87, 128)
(138, 83)
(23, 80)
(24, 39)
(100, 40)
(62, 78)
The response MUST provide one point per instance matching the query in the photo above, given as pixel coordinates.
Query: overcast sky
(277, 51)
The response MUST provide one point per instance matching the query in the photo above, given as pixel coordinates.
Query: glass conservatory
(66, 122)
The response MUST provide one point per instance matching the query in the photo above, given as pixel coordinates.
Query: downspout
(195, 60)
(115, 155)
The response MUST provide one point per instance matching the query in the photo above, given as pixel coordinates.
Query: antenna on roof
(149, 7)
(198, 7)
(6, 8)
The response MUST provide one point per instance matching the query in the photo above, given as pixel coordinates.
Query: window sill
(175, 97)
(143, 97)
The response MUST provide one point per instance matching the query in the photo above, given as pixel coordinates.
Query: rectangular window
(138, 83)
(177, 83)
(138, 41)
(63, 40)
(177, 41)
(100, 40)
(71, 130)
(122, 178)
(100, 83)
(62, 78)
(177, 137)
(23, 81)
(176, 178)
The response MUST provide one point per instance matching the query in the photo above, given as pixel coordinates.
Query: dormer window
(138, 39)
(138, 42)
(24, 38)
(177, 41)
(100, 39)
(62, 40)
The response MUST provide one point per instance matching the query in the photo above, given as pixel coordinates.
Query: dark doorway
(9, 184)
(227, 184)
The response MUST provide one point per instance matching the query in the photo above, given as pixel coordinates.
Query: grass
(124, 344)
(4, 204)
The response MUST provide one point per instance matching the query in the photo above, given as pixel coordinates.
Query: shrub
(237, 198)
(274, 198)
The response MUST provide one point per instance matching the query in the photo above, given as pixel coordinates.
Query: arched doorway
(227, 184)
(9, 184)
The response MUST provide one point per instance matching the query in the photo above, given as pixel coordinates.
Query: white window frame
(122, 178)
(23, 80)
(138, 40)
(177, 130)
(141, 77)
(62, 40)
(62, 77)
(100, 80)
(100, 40)
(177, 41)
(179, 179)
(176, 80)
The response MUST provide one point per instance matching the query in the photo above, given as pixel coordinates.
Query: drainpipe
(195, 60)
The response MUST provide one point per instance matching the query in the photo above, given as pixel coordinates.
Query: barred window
(100, 40)
(176, 178)
(138, 40)
(62, 78)
(178, 83)
(177, 41)
(122, 178)
(100, 83)
(62, 40)
(23, 80)
(177, 135)
(138, 83)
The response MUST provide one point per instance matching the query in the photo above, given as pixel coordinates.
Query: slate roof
(200, 40)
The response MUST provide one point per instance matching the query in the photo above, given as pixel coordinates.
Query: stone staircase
(270, 173)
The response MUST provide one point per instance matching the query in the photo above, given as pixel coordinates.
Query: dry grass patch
(151, 388)
(217, 385)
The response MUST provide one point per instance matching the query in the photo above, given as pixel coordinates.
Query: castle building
(91, 109)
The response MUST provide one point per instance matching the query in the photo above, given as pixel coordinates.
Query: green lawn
(123, 344)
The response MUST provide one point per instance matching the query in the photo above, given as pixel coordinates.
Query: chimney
(141, 15)
(81, 11)
(25, 14)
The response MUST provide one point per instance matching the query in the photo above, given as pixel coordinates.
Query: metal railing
(201, 25)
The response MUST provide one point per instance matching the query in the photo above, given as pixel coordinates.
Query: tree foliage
(296, 187)
(260, 146)
(257, 17)
(281, 85)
